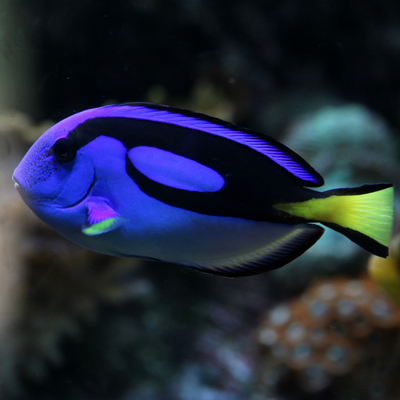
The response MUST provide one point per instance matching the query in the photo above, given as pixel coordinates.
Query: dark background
(89, 52)
(186, 335)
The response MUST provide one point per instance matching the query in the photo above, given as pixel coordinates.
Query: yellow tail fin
(364, 214)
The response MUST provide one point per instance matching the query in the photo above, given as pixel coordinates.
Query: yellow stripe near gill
(99, 227)
(370, 213)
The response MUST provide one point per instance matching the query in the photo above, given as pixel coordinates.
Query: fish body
(151, 181)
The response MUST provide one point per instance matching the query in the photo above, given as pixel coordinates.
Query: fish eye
(64, 150)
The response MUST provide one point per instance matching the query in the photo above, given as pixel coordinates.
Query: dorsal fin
(277, 152)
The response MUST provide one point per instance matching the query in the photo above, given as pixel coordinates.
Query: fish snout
(19, 182)
(17, 185)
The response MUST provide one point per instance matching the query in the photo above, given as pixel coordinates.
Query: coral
(349, 145)
(50, 288)
(340, 338)
(15, 220)
(385, 271)
(205, 97)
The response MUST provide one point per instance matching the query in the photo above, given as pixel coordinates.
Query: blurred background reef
(322, 77)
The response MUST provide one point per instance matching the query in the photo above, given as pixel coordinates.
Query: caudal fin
(363, 214)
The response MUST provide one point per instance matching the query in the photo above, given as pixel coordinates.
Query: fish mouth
(85, 196)
(17, 185)
(23, 192)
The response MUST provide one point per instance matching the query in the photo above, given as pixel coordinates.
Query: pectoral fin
(101, 218)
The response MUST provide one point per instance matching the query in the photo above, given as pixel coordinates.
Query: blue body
(167, 184)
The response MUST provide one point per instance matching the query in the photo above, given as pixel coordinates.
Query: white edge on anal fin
(272, 256)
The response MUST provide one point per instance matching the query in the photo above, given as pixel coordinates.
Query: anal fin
(273, 255)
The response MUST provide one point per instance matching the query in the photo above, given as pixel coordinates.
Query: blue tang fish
(156, 182)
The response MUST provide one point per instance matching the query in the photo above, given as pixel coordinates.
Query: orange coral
(329, 331)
